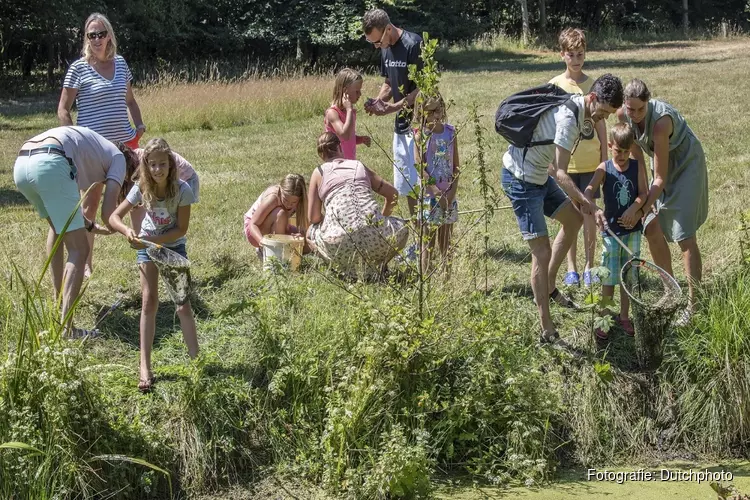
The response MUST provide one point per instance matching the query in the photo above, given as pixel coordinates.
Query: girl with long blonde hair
(272, 211)
(167, 201)
(341, 117)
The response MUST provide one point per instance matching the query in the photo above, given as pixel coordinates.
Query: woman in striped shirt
(99, 83)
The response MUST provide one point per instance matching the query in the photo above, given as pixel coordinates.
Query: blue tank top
(619, 192)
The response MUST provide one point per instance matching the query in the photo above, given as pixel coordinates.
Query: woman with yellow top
(589, 153)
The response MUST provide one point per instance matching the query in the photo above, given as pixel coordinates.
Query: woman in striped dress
(99, 83)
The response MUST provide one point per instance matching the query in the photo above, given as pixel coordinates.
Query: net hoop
(671, 287)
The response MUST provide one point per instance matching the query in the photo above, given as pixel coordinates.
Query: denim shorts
(142, 255)
(532, 202)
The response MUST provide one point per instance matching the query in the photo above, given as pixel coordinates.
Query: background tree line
(48, 35)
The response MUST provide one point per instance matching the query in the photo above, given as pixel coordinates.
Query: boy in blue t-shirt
(624, 190)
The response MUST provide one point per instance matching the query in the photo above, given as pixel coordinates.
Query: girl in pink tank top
(272, 210)
(341, 117)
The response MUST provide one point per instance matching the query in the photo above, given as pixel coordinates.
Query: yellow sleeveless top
(587, 155)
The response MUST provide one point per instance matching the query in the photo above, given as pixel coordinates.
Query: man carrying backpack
(544, 126)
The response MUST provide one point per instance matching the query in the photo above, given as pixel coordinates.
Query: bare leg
(444, 239)
(624, 304)
(657, 245)
(136, 218)
(89, 206)
(57, 262)
(572, 267)
(68, 278)
(691, 259)
(187, 324)
(280, 221)
(608, 292)
(570, 219)
(149, 307)
(540, 262)
(573, 253)
(589, 240)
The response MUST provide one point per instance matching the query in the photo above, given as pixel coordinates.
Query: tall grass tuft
(51, 419)
(709, 365)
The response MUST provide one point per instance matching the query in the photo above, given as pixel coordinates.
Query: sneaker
(572, 278)
(589, 279)
(626, 325)
(684, 318)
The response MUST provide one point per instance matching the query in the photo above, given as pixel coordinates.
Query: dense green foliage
(363, 398)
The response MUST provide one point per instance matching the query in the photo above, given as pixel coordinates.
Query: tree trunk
(685, 24)
(51, 61)
(299, 49)
(543, 16)
(525, 20)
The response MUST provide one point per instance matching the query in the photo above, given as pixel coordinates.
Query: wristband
(141, 127)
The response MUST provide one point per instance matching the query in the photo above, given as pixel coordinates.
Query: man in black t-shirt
(398, 49)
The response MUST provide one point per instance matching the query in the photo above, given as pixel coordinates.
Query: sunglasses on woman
(96, 34)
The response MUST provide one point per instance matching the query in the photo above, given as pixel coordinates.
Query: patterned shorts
(434, 214)
(354, 235)
(614, 256)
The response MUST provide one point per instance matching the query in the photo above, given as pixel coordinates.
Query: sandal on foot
(626, 325)
(601, 335)
(572, 278)
(563, 300)
(590, 278)
(549, 337)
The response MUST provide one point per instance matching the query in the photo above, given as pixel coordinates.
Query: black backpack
(518, 115)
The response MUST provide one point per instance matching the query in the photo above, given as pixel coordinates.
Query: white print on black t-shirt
(394, 64)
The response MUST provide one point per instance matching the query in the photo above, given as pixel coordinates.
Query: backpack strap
(573, 109)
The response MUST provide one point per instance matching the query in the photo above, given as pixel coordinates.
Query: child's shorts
(142, 255)
(614, 256)
(434, 214)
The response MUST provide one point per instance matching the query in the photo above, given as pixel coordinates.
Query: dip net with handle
(655, 297)
(174, 270)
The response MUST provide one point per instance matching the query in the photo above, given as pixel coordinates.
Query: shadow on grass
(12, 198)
(507, 253)
(24, 106)
(519, 290)
(124, 322)
(479, 60)
(227, 268)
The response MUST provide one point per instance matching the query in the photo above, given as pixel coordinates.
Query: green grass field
(244, 136)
